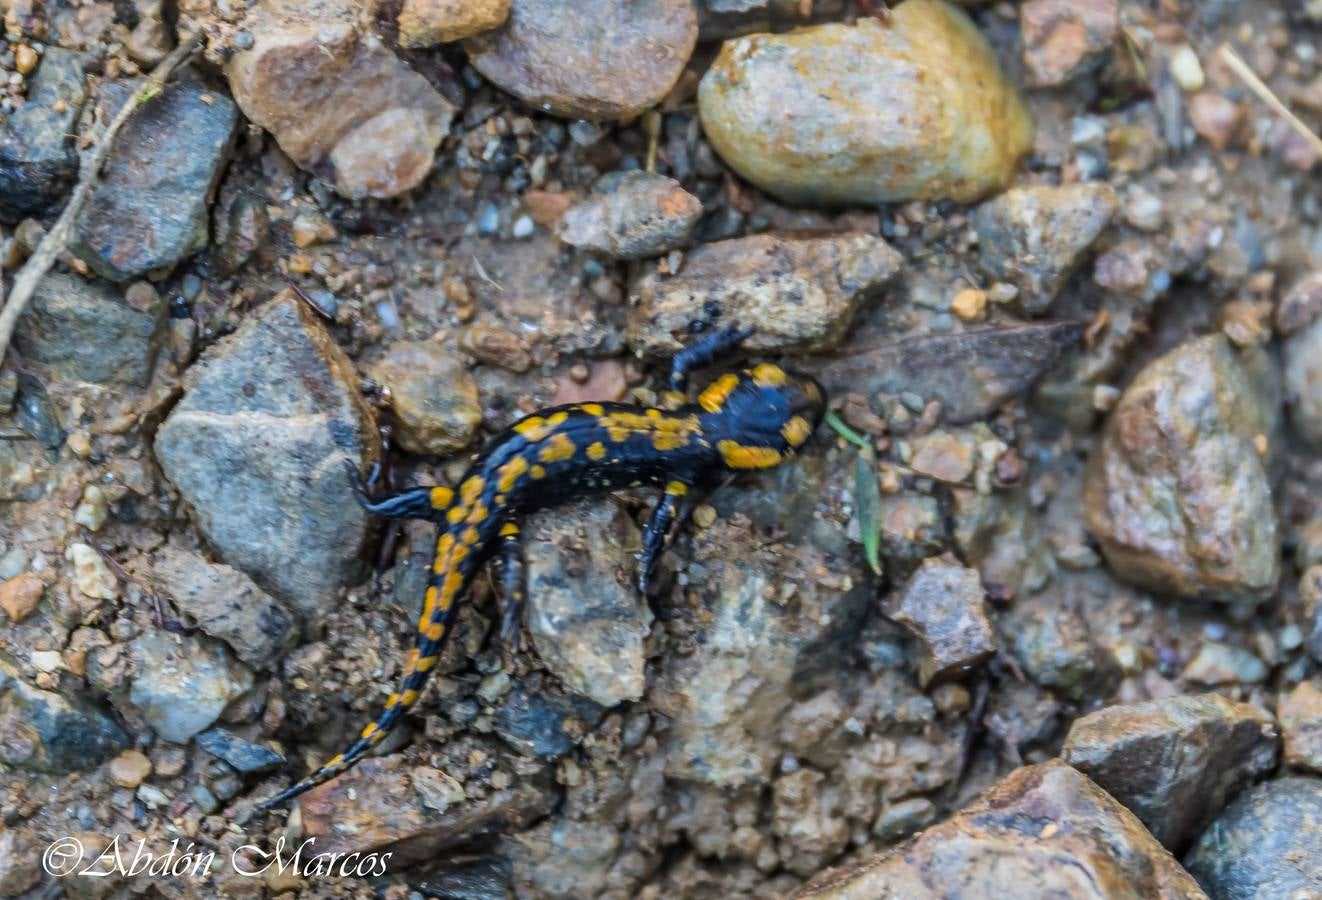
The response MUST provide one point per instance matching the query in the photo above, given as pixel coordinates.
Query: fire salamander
(753, 419)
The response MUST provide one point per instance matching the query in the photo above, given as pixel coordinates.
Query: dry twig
(53, 244)
(1255, 84)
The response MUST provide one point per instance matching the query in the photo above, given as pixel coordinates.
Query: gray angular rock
(533, 722)
(800, 292)
(1056, 650)
(37, 157)
(631, 215)
(586, 622)
(1034, 237)
(257, 448)
(1173, 761)
(225, 603)
(1267, 843)
(85, 330)
(182, 684)
(943, 605)
(245, 756)
(45, 731)
(149, 209)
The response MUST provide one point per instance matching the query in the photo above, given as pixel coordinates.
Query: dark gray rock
(1267, 843)
(37, 157)
(84, 330)
(181, 684)
(534, 723)
(257, 448)
(244, 756)
(149, 210)
(45, 731)
(1173, 761)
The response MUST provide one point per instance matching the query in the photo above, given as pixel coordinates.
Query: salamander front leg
(703, 353)
(418, 503)
(658, 530)
(513, 579)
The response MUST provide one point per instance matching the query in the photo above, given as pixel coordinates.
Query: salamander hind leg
(703, 353)
(417, 503)
(513, 579)
(658, 530)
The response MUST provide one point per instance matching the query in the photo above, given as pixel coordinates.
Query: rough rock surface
(37, 158)
(1173, 762)
(425, 23)
(1064, 39)
(942, 604)
(46, 731)
(182, 684)
(748, 280)
(1177, 493)
(85, 330)
(149, 208)
(1034, 237)
(1300, 715)
(433, 397)
(1267, 843)
(1043, 831)
(1055, 649)
(611, 59)
(631, 215)
(225, 603)
(586, 623)
(337, 100)
(915, 107)
(244, 756)
(257, 448)
(971, 373)
(1301, 374)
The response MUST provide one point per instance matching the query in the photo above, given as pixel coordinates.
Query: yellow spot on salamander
(434, 632)
(478, 513)
(427, 663)
(392, 700)
(510, 473)
(596, 451)
(537, 472)
(469, 536)
(456, 514)
(509, 528)
(441, 497)
(409, 698)
(557, 418)
(677, 489)
(369, 730)
(593, 409)
(677, 429)
(529, 425)
(558, 448)
(716, 393)
(741, 456)
(796, 431)
(767, 375)
(471, 488)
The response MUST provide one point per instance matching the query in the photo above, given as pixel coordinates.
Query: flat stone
(1267, 843)
(942, 604)
(631, 215)
(971, 374)
(1300, 715)
(85, 331)
(800, 293)
(1034, 237)
(1217, 663)
(626, 62)
(1065, 39)
(587, 624)
(426, 23)
(1176, 491)
(1043, 831)
(130, 769)
(182, 684)
(433, 397)
(19, 595)
(336, 99)
(149, 208)
(257, 448)
(37, 157)
(44, 731)
(533, 722)
(915, 107)
(245, 756)
(226, 604)
(1173, 761)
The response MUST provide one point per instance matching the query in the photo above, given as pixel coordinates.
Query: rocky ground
(1041, 614)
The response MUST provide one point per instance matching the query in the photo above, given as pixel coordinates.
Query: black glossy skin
(754, 419)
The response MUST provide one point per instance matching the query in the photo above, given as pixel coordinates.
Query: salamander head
(762, 415)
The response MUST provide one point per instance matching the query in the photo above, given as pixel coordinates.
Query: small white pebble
(46, 660)
(91, 512)
(1104, 397)
(523, 227)
(1186, 69)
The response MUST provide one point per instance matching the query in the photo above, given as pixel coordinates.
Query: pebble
(1174, 761)
(943, 456)
(1176, 492)
(181, 684)
(243, 755)
(25, 59)
(256, 446)
(433, 397)
(225, 604)
(1186, 69)
(1217, 663)
(1301, 373)
(337, 99)
(130, 769)
(796, 113)
(625, 63)
(747, 280)
(631, 215)
(586, 627)
(426, 23)
(37, 157)
(1035, 237)
(1265, 844)
(1055, 649)
(91, 575)
(1065, 39)
(942, 604)
(85, 331)
(92, 510)
(45, 731)
(969, 304)
(1300, 715)
(1215, 118)
(533, 723)
(19, 595)
(149, 209)
(495, 346)
(1043, 831)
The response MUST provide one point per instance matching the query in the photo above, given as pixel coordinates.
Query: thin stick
(1249, 77)
(53, 244)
